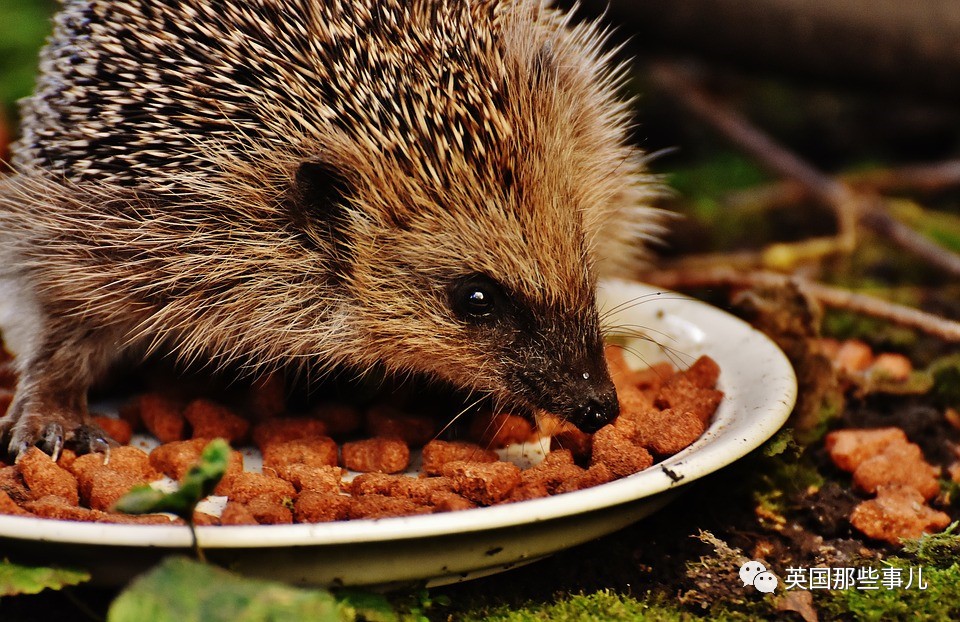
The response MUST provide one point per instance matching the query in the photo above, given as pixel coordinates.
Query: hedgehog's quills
(429, 186)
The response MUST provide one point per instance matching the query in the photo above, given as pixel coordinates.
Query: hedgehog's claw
(52, 440)
(90, 438)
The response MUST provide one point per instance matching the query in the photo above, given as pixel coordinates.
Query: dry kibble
(118, 429)
(202, 519)
(499, 430)
(379, 455)
(107, 487)
(162, 417)
(890, 366)
(446, 501)
(235, 513)
(848, 448)
(11, 483)
(666, 432)
(437, 453)
(579, 444)
(423, 490)
(483, 483)
(854, 356)
(282, 429)
(60, 509)
(175, 459)
(680, 394)
(211, 420)
(307, 477)
(704, 373)
(373, 484)
(321, 507)
(897, 513)
(381, 506)
(314, 451)
(899, 463)
(9, 506)
(388, 422)
(618, 452)
(246, 486)
(267, 511)
(43, 477)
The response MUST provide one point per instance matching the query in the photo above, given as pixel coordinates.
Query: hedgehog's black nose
(597, 411)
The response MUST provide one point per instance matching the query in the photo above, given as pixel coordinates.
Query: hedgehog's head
(463, 215)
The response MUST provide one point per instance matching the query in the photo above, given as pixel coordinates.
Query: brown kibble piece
(60, 509)
(212, 420)
(267, 511)
(43, 477)
(898, 463)
(381, 455)
(704, 373)
(235, 513)
(446, 501)
(373, 484)
(380, 506)
(202, 519)
(556, 468)
(437, 453)
(9, 506)
(579, 444)
(315, 451)
(108, 486)
(649, 380)
(666, 432)
(680, 394)
(307, 477)
(282, 429)
(118, 429)
(618, 452)
(124, 459)
(890, 366)
(499, 430)
(423, 490)
(617, 364)
(162, 417)
(11, 483)
(245, 486)
(854, 356)
(594, 476)
(483, 483)
(387, 422)
(897, 513)
(849, 448)
(321, 507)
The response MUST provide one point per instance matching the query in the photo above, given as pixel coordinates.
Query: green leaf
(181, 590)
(16, 579)
(199, 482)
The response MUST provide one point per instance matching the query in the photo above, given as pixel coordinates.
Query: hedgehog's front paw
(51, 429)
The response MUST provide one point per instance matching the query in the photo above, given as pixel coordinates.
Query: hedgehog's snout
(597, 409)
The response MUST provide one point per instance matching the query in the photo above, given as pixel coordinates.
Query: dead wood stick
(849, 206)
(724, 276)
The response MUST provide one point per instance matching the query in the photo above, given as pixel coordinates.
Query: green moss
(939, 601)
(603, 605)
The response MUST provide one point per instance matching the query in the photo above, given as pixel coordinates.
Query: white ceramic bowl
(760, 389)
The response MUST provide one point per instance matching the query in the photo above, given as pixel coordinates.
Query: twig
(849, 206)
(725, 276)
(928, 178)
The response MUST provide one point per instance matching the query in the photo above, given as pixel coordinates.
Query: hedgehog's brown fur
(274, 181)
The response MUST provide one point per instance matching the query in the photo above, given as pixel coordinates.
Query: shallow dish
(759, 386)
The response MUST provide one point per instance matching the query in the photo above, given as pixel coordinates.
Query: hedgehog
(425, 187)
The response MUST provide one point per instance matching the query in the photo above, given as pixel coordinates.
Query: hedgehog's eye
(477, 299)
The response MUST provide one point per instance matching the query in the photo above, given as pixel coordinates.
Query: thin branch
(849, 206)
(725, 276)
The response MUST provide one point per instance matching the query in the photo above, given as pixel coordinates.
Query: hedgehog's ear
(318, 203)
